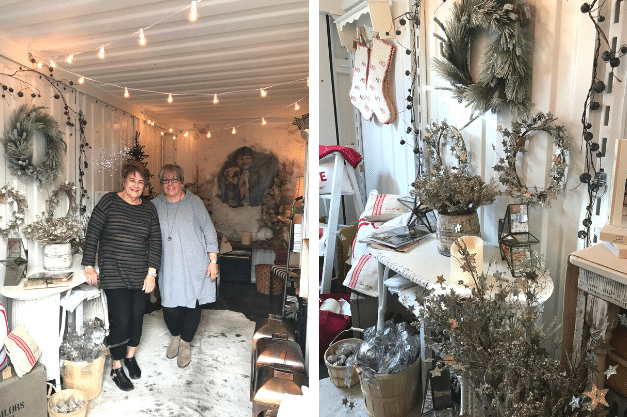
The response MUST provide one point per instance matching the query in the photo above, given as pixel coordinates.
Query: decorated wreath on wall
(18, 139)
(438, 135)
(16, 199)
(505, 76)
(514, 142)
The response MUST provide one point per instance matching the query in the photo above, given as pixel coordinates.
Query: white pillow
(363, 276)
(325, 176)
(383, 207)
(361, 248)
(4, 332)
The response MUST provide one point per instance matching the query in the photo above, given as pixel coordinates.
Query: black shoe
(133, 369)
(121, 380)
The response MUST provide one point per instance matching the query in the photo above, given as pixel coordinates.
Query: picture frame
(618, 202)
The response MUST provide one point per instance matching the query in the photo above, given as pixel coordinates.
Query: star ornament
(450, 359)
(454, 324)
(436, 372)
(611, 370)
(597, 396)
(440, 279)
(574, 403)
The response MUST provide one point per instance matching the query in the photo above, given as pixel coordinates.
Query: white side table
(38, 311)
(423, 265)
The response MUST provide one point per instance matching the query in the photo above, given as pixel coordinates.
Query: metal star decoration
(454, 324)
(440, 279)
(436, 372)
(345, 401)
(597, 396)
(457, 228)
(351, 405)
(574, 403)
(611, 370)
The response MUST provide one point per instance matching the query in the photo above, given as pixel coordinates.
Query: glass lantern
(514, 238)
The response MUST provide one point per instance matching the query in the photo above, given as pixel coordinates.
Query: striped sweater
(128, 241)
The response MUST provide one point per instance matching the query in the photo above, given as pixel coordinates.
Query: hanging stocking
(377, 98)
(360, 76)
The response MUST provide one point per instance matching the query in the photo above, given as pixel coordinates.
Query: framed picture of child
(245, 176)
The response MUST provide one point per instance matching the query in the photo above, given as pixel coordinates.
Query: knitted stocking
(377, 98)
(360, 76)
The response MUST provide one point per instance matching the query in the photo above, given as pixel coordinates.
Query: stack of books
(400, 239)
(615, 237)
(48, 279)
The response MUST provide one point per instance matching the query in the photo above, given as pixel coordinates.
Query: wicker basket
(262, 275)
(85, 376)
(337, 373)
(63, 395)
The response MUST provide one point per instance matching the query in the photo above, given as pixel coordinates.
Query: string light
(148, 121)
(162, 133)
(52, 64)
(186, 133)
(263, 92)
(215, 99)
(126, 94)
(208, 134)
(174, 137)
(171, 130)
(233, 131)
(263, 121)
(101, 53)
(40, 65)
(152, 123)
(193, 13)
(296, 106)
(142, 39)
(69, 58)
(81, 79)
(170, 99)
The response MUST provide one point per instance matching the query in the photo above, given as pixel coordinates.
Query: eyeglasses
(172, 180)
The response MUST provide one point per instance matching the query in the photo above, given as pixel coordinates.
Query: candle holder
(514, 238)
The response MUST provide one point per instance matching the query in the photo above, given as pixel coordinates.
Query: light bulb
(233, 131)
(296, 106)
(40, 65)
(126, 94)
(263, 92)
(101, 53)
(174, 137)
(69, 58)
(162, 133)
(215, 99)
(171, 130)
(170, 99)
(186, 133)
(152, 123)
(208, 134)
(148, 121)
(142, 39)
(263, 121)
(52, 64)
(81, 79)
(193, 13)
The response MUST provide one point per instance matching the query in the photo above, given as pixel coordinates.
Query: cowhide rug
(216, 383)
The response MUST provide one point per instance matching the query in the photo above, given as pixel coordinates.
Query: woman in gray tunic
(189, 262)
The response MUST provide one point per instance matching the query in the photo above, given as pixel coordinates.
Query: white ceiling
(235, 48)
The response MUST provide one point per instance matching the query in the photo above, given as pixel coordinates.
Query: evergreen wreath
(18, 137)
(514, 142)
(439, 134)
(505, 75)
(17, 199)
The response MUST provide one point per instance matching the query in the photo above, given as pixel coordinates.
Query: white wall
(562, 54)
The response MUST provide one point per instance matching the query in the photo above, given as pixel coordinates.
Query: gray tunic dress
(183, 274)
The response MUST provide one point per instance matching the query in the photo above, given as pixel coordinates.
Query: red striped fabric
(22, 345)
(357, 271)
(378, 204)
(3, 315)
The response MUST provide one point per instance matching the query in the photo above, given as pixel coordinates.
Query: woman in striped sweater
(125, 231)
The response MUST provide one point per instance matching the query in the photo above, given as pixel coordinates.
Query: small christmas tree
(136, 153)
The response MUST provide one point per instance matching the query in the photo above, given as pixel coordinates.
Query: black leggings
(182, 321)
(126, 309)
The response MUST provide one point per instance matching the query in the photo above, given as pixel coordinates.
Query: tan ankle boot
(185, 354)
(173, 348)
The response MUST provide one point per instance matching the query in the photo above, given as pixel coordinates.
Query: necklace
(171, 225)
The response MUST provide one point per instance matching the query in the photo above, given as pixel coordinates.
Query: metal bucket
(272, 385)
(278, 353)
(57, 256)
(273, 325)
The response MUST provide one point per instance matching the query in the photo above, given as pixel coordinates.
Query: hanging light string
(133, 35)
(257, 120)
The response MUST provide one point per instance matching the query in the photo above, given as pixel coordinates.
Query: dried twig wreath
(514, 142)
(69, 189)
(17, 199)
(505, 75)
(438, 135)
(18, 138)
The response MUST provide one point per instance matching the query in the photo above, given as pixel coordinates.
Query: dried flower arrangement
(492, 337)
(49, 230)
(454, 193)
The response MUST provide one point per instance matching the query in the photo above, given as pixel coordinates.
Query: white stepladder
(333, 214)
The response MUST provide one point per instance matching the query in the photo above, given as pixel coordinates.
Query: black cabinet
(235, 266)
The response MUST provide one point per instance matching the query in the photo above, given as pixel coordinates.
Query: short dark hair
(135, 166)
(171, 168)
(244, 151)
